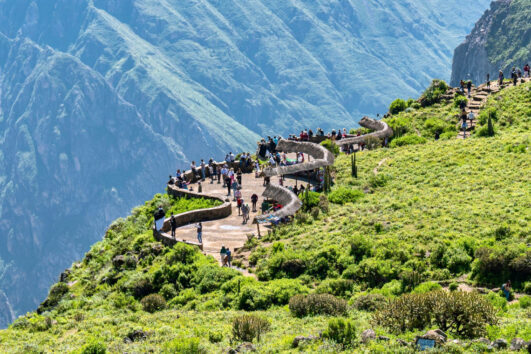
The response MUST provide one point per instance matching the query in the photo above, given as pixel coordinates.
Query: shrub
(142, 288)
(254, 296)
(525, 302)
(317, 304)
(453, 286)
(340, 331)
(485, 131)
(153, 303)
(282, 290)
(407, 140)
(448, 135)
(435, 125)
(323, 203)
(246, 328)
(331, 146)
(215, 337)
(370, 302)
(458, 100)
(379, 180)
(527, 287)
(344, 195)
(94, 348)
(211, 277)
(184, 346)
(397, 106)
(497, 300)
(360, 247)
(433, 93)
(486, 113)
(168, 291)
(400, 124)
(55, 295)
(372, 142)
(427, 287)
(465, 314)
(336, 287)
(309, 200)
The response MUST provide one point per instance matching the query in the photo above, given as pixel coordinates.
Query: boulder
(242, 348)
(435, 334)
(135, 336)
(517, 344)
(63, 278)
(484, 341)
(156, 248)
(402, 342)
(383, 338)
(118, 261)
(500, 344)
(529, 347)
(300, 339)
(367, 336)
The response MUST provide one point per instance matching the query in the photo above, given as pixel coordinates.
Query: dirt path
(375, 171)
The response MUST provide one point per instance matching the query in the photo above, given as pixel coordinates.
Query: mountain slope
(500, 40)
(101, 100)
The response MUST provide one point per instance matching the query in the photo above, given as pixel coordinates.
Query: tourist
(254, 200)
(231, 175)
(239, 201)
(488, 81)
(232, 157)
(272, 160)
(464, 125)
(310, 134)
(173, 224)
(239, 176)
(506, 288)
(500, 78)
(223, 256)
(235, 188)
(462, 86)
(178, 174)
(212, 172)
(471, 117)
(462, 104)
(267, 180)
(344, 132)
(256, 169)
(171, 180)
(228, 185)
(199, 187)
(229, 257)
(527, 71)
(194, 170)
(437, 135)
(245, 213)
(199, 227)
(514, 76)
(203, 170)
(296, 190)
(469, 87)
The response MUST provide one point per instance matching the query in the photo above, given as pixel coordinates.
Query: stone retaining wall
(289, 201)
(191, 217)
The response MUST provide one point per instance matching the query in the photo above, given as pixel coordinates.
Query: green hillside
(435, 214)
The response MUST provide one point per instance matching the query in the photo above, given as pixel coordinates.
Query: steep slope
(500, 40)
(112, 95)
(434, 214)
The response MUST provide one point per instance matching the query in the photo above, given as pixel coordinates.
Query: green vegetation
(386, 251)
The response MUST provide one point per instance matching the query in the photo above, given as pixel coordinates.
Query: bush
(527, 287)
(360, 247)
(94, 348)
(433, 93)
(458, 100)
(184, 346)
(407, 140)
(336, 287)
(401, 125)
(426, 287)
(340, 331)
(153, 303)
(486, 113)
(317, 304)
(372, 142)
(525, 302)
(141, 288)
(465, 314)
(215, 337)
(370, 302)
(397, 106)
(435, 125)
(344, 195)
(168, 291)
(246, 328)
(448, 135)
(453, 286)
(331, 146)
(309, 200)
(55, 295)
(484, 132)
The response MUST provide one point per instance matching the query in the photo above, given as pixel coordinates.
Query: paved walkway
(229, 232)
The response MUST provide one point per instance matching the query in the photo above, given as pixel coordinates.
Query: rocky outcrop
(321, 157)
(501, 39)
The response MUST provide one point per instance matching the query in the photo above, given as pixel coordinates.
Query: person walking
(228, 184)
(223, 256)
(464, 125)
(469, 87)
(173, 223)
(471, 117)
(488, 81)
(254, 200)
(239, 176)
(235, 188)
(239, 200)
(229, 258)
(203, 170)
(212, 172)
(199, 227)
(506, 288)
(514, 76)
(245, 212)
(500, 78)
(527, 70)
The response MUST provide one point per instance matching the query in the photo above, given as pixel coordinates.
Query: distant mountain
(101, 99)
(500, 40)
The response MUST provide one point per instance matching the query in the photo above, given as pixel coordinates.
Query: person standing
(212, 172)
(506, 288)
(223, 256)
(239, 176)
(173, 223)
(527, 70)
(463, 125)
(471, 117)
(469, 87)
(500, 78)
(199, 227)
(229, 257)
(203, 170)
(228, 184)
(194, 170)
(254, 200)
(235, 188)
(488, 81)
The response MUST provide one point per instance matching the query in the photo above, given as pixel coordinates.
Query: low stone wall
(381, 128)
(321, 157)
(289, 201)
(193, 216)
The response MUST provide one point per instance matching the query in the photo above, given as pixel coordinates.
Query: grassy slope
(451, 192)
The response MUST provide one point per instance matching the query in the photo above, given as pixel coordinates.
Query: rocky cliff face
(500, 40)
(101, 99)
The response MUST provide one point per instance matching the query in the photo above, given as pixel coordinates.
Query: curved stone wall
(289, 201)
(381, 128)
(190, 217)
(321, 157)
